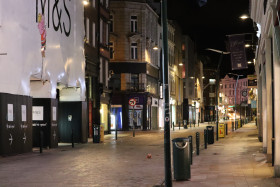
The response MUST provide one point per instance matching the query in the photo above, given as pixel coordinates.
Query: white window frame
(87, 30)
(93, 34)
(133, 51)
(133, 23)
(101, 31)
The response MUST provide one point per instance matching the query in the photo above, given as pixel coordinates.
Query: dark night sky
(208, 26)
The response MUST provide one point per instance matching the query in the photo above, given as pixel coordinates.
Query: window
(101, 71)
(133, 51)
(133, 24)
(93, 34)
(106, 73)
(93, 3)
(225, 86)
(229, 85)
(107, 3)
(111, 24)
(87, 30)
(101, 30)
(111, 50)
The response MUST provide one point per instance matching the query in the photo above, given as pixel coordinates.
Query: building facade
(192, 83)
(48, 66)
(265, 15)
(230, 97)
(92, 63)
(104, 57)
(134, 65)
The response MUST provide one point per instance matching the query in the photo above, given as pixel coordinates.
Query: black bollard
(179, 125)
(116, 132)
(198, 123)
(193, 123)
(41, 141)
(191, 148)
(226, 128)
(173, 125)
(72, 138)
(232, 126)
(133, 129)
(205, 138)
(197, 142)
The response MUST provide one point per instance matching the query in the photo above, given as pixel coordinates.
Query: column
(268, 98)
(277, 111)
(264, 108)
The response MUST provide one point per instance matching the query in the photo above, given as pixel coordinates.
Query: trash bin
(181, 160)
(96, 134)
(210, 133)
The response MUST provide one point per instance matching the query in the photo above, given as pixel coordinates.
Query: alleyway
(236, 160)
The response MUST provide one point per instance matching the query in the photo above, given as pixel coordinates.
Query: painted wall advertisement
(41, 39)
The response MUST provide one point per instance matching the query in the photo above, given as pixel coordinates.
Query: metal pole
(167, 151)
(116, 132)
(133, 123)
(217, 94)
(235, 100)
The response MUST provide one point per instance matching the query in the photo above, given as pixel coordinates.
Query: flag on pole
(237, 50)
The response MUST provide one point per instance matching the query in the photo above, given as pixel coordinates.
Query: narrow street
(236, 160)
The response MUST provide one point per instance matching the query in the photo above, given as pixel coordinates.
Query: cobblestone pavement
(236, 160)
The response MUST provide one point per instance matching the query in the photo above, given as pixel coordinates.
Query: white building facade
(265, 14)
(41, 46)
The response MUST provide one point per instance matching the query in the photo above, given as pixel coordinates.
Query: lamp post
(167, 147)
(217, 86)
(235, 97)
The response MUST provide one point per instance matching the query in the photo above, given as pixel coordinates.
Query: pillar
(264, 108)
(276, 111)
(268, 98)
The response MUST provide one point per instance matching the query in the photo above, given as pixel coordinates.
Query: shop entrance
(136, 118)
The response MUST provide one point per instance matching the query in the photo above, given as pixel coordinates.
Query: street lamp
(235, 96)
(217, 85)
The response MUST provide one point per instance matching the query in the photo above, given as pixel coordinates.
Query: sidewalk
(236, 160)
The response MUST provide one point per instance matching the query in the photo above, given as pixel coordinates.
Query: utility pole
(167, 151)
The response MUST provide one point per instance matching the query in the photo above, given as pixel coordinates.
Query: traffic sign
(132, 102)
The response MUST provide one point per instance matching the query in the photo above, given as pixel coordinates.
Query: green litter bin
(181, 159)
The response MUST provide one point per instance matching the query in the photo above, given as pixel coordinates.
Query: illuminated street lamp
(217, 85)
(235, 96)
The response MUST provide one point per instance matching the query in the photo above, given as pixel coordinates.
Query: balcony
(135, 87)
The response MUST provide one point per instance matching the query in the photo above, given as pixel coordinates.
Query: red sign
(132, 102)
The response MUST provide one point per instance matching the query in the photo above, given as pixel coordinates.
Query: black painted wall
(78, 111)
(15, 131)
(47, 125)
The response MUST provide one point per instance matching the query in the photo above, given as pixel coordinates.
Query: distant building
(229, 97)
(134, 65)
(192, 82)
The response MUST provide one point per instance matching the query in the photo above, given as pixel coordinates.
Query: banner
(237, 51)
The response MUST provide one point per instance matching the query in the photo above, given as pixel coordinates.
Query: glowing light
(249, 62)
(247, 45)
(85, 2)
(155, 47)
(244, 17)
(180, 64)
